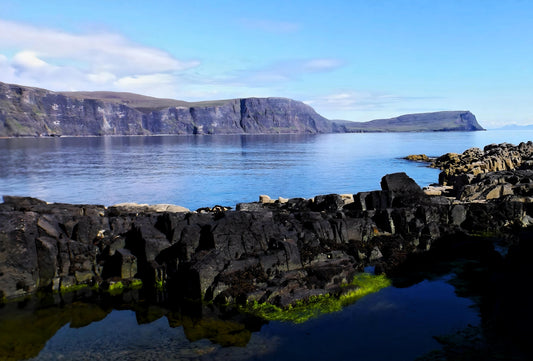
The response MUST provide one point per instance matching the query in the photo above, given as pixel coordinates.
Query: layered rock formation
(26, 111)
(276, 252)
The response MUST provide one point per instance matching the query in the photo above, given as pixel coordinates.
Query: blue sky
(355, 60)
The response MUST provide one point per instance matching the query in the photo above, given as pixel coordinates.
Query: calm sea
(198, 171)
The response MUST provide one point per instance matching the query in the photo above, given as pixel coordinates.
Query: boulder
(403, 190)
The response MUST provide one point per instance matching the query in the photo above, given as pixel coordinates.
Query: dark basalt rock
(269, 251)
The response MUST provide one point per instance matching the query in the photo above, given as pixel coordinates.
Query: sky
(354, 60)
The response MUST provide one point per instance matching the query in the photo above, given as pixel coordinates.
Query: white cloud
(59, 60)
(286, 70)
(27, 60)
(364, 106)
(101, 52)
(159, 85)
(353, 101)
(103, 77)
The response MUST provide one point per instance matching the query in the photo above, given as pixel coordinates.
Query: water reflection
(80, 323)
(137, 326)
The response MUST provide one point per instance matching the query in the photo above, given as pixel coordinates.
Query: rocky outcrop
(497, 170)
(270, 251)
(26, 111)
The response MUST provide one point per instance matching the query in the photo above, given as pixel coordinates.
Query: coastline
(290, 253)
(356, 224)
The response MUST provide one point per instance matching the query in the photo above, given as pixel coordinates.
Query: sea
(396, 323)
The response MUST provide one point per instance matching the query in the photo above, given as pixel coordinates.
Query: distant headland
(27, 112)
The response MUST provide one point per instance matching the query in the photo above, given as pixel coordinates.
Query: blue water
(199, 171)
(393, 324)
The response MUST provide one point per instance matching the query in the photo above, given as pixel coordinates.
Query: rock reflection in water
(115, 327)
(25, 327)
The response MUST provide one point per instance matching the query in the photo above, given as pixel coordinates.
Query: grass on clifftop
(315, 306)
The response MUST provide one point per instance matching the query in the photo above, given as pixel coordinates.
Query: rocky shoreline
(275, 252)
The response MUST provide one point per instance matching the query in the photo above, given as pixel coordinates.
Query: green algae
(135, 284)
(73, 288)
(301, 311)
(115, 288)
(118, 287)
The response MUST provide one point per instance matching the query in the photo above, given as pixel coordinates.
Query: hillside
(436, 121)
(28, 111)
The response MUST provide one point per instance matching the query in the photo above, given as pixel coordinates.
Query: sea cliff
(28, 111)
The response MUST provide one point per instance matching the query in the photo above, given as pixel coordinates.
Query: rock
(375, 254)
(250, 207)
(21, 203)
(494, 185)
(83, 277)
(437, 190)
(399, 183)
(167, 208)
(277, 252)
(128, 263)
(474, 161)
(330, 203)
(347, 198)
(458, 214)
(47, 251)
(265, 199)
(44, 224)
(138, 208)
(403, 190)
(19, 264)
(418, 158)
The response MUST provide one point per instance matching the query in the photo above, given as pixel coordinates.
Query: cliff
(436, 121)
(26, 111)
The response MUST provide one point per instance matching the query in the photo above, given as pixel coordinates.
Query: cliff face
(239, 116)
(26, 111)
